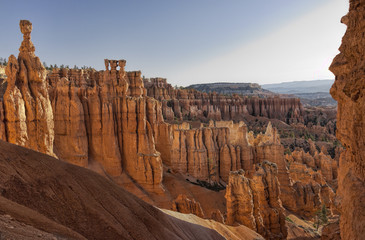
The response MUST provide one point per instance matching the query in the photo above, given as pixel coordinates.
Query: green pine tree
(321, 217)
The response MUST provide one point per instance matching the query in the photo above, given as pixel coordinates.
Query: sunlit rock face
(206, 153)
(255, 202)
(83, 117)
(348, 90)
(27, 117)
(104, 117)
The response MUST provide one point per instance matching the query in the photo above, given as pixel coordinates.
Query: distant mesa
(311, 93)
(231, 88)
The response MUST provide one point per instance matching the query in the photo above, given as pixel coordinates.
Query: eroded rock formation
(28, 114)
(255, 202)
(206, 153)
(348, 89)
(113, 118)
(190, 104)
(106, 118)
(83, 117)
(185, 205)
(303, 188)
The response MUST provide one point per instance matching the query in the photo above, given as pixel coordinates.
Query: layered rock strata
(348, 90)
(255, 202)
(105, 117)
(206, 153)
(190, 104)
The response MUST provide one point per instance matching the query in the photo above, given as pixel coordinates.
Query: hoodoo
(28, 112)
(219, 157)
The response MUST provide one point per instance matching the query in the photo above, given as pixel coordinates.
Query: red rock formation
(158, 88)
(185, 205)
(106, 117)
(240, 204)
(311, 186)
(114, 120)
(217, 216)
(255, 202)
(266, 193)
(206, 153)
(192, 104)
(268, 148)
(331, 231)
(28, 112)
(348, 89)
(301, 186)
(71, 143)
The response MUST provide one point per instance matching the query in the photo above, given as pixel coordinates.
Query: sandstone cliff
(255, 202)
(190, 104)
(105, 117)
(205, 153)
(348, 89)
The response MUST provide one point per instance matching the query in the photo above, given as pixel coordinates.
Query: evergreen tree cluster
(3, 61)
(51, 67)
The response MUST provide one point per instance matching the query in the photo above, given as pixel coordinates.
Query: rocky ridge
(348, 91)
(190, 104)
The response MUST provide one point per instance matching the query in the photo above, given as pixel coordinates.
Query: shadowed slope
(83, 201)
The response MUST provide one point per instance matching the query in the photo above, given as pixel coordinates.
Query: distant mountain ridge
(311, 93)
(314, 86)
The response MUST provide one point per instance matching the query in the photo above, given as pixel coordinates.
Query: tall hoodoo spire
(26, 28)
(28, 111)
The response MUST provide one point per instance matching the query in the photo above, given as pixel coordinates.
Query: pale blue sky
(190, 41)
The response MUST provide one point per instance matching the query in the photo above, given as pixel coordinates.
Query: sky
(185, 41)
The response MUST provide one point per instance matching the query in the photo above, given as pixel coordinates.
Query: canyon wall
(206, 153)
(105, 117)
(348, 90)
(255, 202)
(190, 104)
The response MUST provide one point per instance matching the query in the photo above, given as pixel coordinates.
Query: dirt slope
(74, 202)
(229, 232)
